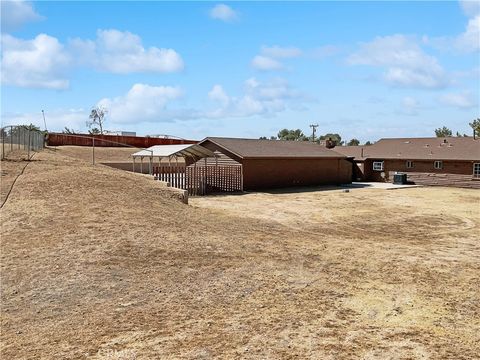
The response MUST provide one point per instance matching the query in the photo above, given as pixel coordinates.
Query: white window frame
(409, 164)
(379, 168)
(476, 170)
(438, 164)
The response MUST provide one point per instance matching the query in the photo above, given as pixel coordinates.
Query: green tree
(353, 142)
(443, 132)
(334, 137)
(292, 135)
(368, 143)
(475, 125)
(94, 131)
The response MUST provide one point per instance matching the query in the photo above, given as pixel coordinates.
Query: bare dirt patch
(100, 263)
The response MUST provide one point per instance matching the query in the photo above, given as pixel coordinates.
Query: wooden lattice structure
(214, 175)
(199, 171)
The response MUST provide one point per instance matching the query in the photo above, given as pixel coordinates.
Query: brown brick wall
(277, 173)
(454, 173)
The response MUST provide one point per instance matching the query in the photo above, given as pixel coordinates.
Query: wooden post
(28, 153)
(241, 177)
(177, 180)
(195, 178)
(93, 151)
(170, 170)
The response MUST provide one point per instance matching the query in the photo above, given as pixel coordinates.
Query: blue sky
(366, 70)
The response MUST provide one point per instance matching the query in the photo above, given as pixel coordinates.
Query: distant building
(450, 161)
(120, 133)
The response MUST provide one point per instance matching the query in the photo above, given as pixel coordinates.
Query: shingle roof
(351, 151)
(253, 148)
(433, 148)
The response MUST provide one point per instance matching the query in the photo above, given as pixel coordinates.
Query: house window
(378, 165)
(438, 164)
(476, 170)
(409, 164)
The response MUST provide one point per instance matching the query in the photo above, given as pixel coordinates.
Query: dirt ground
(97, 263)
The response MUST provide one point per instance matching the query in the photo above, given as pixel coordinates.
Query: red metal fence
(59, 139)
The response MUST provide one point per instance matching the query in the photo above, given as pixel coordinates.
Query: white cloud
(266, 63)
(267, 60)
(56, 119)
(469, 41)
(466, 42)
(218, 94)
(325, 51)
(223, 12)
(265, 99)
(463, 100)
(410, 106)
(38, 63)
(280, 52)
(405, 62)
(471, 8)
(122, 52)
(161, 104)
(16, 13)
(143, 103)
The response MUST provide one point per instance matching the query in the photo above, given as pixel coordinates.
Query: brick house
(450, 161)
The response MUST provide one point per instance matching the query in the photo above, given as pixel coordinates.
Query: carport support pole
(141, 164)
(133, 163)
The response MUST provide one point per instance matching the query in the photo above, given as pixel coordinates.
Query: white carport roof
(187, 150)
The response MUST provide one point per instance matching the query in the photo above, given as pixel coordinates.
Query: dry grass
(99, 263)
(102, 154)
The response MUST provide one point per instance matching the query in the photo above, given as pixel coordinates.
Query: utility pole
(44, 122)
(314, 128)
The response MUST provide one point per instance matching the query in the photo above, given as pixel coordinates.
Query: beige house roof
(449, 148)
(254, 148)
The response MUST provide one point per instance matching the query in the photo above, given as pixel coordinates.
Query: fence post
(3, 143)
(28, 154)
(93, 151)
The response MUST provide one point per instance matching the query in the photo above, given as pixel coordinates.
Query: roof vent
(445, 141)
(426, 145)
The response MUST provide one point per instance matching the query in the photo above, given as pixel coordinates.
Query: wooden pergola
(200, 170)
(191, 153)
